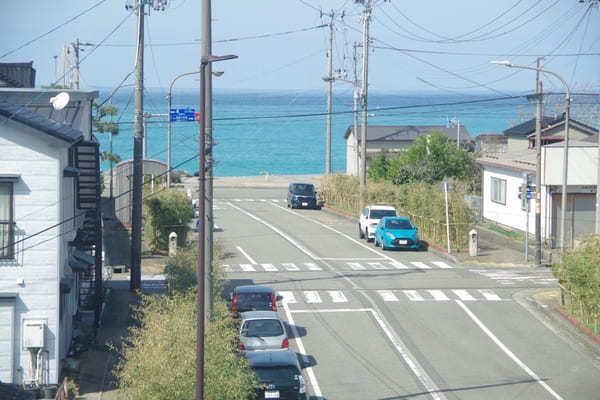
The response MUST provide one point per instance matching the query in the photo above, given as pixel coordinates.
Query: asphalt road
(396, 324)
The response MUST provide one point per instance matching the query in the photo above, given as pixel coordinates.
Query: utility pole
(538, 167)
(77, 46)
(598, 186)
(355, 98)
(135, 282)
(329, 79)
(364, 97)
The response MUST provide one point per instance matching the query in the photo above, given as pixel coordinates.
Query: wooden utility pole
(329, 79)
(364, 97)
(538, 167)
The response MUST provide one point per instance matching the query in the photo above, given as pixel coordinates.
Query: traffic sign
(182, 114)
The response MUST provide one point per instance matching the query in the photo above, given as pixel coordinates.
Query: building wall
(352, 155)
(583, 165)
(34, 273)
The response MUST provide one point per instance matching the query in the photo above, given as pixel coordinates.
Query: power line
(454, 53)
(52, 30)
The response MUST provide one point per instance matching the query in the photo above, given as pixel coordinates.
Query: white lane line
(227, 268)
(290, 267)
(489, 295)
(278, 231)
(438, 295)
(507, 351)
(420, 265)
(463, 295)
(413, 295)
(287, 297)
(237, 200)
(247, 267)
(337, 296)
(387, 295)
(275, 200)
(313, 267)
(398, 265)
(441, 264)
(252, 200)
(356, 266)
(246, 255)
(263, 200)
(312, 296)
(377, 265)
(309, 371)
(269, 267)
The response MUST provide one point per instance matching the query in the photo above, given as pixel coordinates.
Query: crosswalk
(221, 204)
(391, 296)
(355, 266)
(513, 277)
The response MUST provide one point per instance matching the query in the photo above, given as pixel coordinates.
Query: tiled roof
(408, 133)
(20, 75)
(528, 127)
(520, 160)
(39, 122)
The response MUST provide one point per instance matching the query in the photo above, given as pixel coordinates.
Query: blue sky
(467, 33)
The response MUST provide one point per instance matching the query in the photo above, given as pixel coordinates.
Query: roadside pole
(364, 97)
(329, 80)
(538, 167)
(447, 216)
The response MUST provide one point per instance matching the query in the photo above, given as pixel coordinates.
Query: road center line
(309, 371)
(507, 351)
(410, 360)
(246, 255)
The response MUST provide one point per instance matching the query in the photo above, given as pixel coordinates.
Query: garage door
(7, 309)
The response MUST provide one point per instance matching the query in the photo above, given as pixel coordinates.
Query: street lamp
(563, 207)
(456, 121)
(204, 61)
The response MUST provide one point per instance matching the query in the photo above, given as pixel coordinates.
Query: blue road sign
(182, 114)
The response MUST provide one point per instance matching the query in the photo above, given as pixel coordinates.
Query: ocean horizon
(283, 132)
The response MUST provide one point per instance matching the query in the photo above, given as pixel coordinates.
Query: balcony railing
(7, 239)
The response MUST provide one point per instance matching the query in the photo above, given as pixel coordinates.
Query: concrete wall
(583, 165)
(40, 201)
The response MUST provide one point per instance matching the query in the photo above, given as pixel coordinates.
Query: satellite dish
(60, 101)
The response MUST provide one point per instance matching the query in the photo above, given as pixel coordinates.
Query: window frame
(9, 252)
(494, 182)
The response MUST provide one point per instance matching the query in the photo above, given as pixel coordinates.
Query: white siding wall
(583, 165)
(38, 159)
(509, 214)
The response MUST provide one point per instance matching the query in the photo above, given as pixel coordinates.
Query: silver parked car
(262, 330)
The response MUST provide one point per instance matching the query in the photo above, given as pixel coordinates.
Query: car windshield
(398, 224)
(277, 375)
(378, 214)
(306, 190)
(254, 301)
(262, 327)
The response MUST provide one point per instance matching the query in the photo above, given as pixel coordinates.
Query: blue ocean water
(287, 143)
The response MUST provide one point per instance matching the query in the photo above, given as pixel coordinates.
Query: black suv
(302, 195)
(278, 373)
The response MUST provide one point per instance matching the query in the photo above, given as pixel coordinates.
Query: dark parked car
(302, 195)
(253, 298)
(278, 373)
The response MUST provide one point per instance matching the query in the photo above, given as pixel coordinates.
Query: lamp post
(563, 206)
(456, 121)
(201, 231)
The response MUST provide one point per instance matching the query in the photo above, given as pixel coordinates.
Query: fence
(578, 308)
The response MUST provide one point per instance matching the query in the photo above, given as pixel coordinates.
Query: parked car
(278, 373)
(370, 217)
(397, 233)
(253, 298)
(262, 330)
(302, 195)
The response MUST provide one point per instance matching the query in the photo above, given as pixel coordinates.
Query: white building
(49, 224)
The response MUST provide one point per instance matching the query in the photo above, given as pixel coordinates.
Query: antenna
(60, 101)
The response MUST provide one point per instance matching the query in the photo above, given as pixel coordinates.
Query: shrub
(167, 212)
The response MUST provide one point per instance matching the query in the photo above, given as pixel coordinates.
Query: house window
(7, 229)
(499, 190)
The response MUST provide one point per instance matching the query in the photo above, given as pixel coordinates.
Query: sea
(284, 132)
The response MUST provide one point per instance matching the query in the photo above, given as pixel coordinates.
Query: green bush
(167, 212)
(159, 360)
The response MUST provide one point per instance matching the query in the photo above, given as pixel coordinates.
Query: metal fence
(577, 306)
(7, 239)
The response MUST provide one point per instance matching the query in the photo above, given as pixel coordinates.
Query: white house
(49, 225)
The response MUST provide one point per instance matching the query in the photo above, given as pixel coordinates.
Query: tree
(378, 170)
(167, 212)
(110, 127)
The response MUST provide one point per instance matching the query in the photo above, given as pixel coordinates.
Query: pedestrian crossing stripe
(290, 267)
(356, 266)
(377, 265)
(441, 264)
(420, 265)
(313, 267)
(269, 267)
(388, 295)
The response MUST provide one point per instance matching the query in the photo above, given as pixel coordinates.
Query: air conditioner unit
(33, 333)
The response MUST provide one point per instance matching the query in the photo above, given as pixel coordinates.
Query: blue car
(397, 233)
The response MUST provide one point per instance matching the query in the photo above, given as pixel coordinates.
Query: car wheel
(375, 242)
(361, 234)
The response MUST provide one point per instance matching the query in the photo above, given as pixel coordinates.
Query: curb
(576, 324)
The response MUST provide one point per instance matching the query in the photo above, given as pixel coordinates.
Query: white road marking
(420, 265)
(463, 295)
(309, 371)
(263, 200)
(507, 351)
(313, 267)
(489, 295)
(438, 295)
(227, 268)
(275, 200)
(252, 200)
(237, 200)
(246, 255)
(387, 295)
(377, 265)
(247, 268)
(312, 296)
(269, 267)
(413, 295)
(442, 264)
(331, 310)
(356, 266)
(398, 265)
(290, 267)
(337, 296)
(287, 297)
(350, 258)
